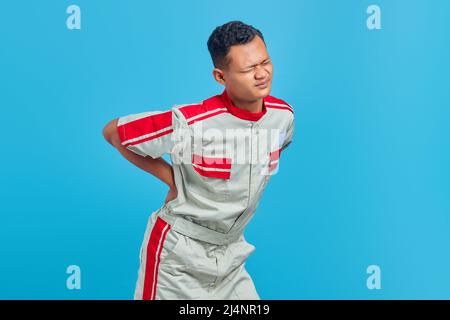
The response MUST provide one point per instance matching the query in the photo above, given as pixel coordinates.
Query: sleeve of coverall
(147, 133)
(289, 134)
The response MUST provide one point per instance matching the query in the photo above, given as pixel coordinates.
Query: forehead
(244, 55)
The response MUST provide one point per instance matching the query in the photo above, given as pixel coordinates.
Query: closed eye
(265, 62)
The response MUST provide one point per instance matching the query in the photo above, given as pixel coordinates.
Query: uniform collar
(241, 113)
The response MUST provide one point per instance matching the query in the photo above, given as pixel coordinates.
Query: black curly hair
(227, 35)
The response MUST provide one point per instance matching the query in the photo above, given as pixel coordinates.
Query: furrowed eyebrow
(254, 65)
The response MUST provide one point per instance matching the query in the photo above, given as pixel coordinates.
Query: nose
(261, 73)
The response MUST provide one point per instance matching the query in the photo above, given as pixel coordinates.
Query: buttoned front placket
(252, 181)
(250, 164)
(254, 137)
(252, 121)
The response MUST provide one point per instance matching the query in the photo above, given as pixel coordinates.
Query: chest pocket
(214, 174)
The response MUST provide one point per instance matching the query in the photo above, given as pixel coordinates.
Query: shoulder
(205, 109)
(275, 103)
(281, 108)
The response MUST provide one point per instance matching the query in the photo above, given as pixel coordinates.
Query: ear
(218, 75)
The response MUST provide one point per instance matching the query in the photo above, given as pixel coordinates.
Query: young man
(223, 152)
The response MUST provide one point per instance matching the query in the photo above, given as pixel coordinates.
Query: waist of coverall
(196, 231)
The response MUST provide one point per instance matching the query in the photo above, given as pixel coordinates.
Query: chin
(262, 93)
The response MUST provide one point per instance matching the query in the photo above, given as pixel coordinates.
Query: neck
(251, 106)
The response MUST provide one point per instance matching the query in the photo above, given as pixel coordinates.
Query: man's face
(248, 76)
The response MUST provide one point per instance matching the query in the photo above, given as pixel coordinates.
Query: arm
(157, 167)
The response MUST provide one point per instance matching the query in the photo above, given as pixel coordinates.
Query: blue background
(366, 180)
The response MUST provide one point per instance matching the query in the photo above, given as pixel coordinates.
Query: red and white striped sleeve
(147, 133)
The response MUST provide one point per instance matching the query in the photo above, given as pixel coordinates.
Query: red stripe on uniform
(154, 248)
(196, 109)
(279, 107)
(213, 174)
(272, 166)
(209, 162)
(275, 155)
(207, 116)
(146, 125)
(272, 99)
(150, 138)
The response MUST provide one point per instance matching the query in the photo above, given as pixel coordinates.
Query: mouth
(262, 85)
